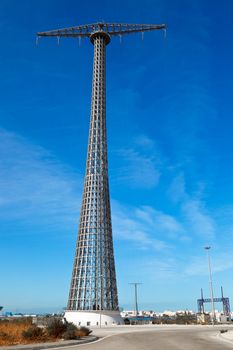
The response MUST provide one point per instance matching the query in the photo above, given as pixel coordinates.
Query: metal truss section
(93, 284)
(225, 303)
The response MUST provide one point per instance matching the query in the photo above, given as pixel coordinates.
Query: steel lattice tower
(93, 285)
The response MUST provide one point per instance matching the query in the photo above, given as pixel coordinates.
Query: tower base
(93, 318)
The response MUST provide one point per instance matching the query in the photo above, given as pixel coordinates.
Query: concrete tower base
(93, 318)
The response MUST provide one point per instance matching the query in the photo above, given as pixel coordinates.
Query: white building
(94, 318)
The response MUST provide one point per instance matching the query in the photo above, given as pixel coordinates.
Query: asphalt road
(180, 339)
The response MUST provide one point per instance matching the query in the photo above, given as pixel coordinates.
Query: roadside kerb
(50, 345)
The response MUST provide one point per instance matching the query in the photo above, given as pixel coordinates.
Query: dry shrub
(5, 337)
(223, 330)
(33, 333)
(83, 331)
(13, 332)
(56, 328)
(71, 332)
(22, 320)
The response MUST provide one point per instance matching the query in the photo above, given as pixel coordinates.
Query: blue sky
(169, 117)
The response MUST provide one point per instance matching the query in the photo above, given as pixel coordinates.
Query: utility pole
(207, 248)
(136, 284)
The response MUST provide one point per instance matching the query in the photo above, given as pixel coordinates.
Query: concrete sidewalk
(50, 345)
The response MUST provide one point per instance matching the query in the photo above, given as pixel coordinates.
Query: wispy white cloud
(176, 190)
(139, 170)
(140, 164)
(152, 268)
(145, 142)
(37, 190)
(198, 266)
(163, 223)
(195, 216)
(146, 227)
(34, 186)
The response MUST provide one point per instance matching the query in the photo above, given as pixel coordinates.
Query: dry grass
(11, 333)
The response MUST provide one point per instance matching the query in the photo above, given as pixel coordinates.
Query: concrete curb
(59, 344)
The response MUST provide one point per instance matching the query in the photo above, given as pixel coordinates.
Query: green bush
(33, 333)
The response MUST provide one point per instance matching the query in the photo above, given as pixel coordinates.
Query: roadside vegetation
(23, 331)
(184, 318)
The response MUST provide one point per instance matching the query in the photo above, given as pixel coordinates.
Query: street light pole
(211, 285)
(136, 296)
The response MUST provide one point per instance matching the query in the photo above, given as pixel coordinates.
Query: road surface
(183, 338)
(164, 340)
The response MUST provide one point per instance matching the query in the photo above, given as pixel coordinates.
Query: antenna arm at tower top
(138, 30)
(62, 33)
(112, 29)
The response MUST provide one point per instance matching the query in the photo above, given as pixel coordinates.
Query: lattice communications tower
(93, 298)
